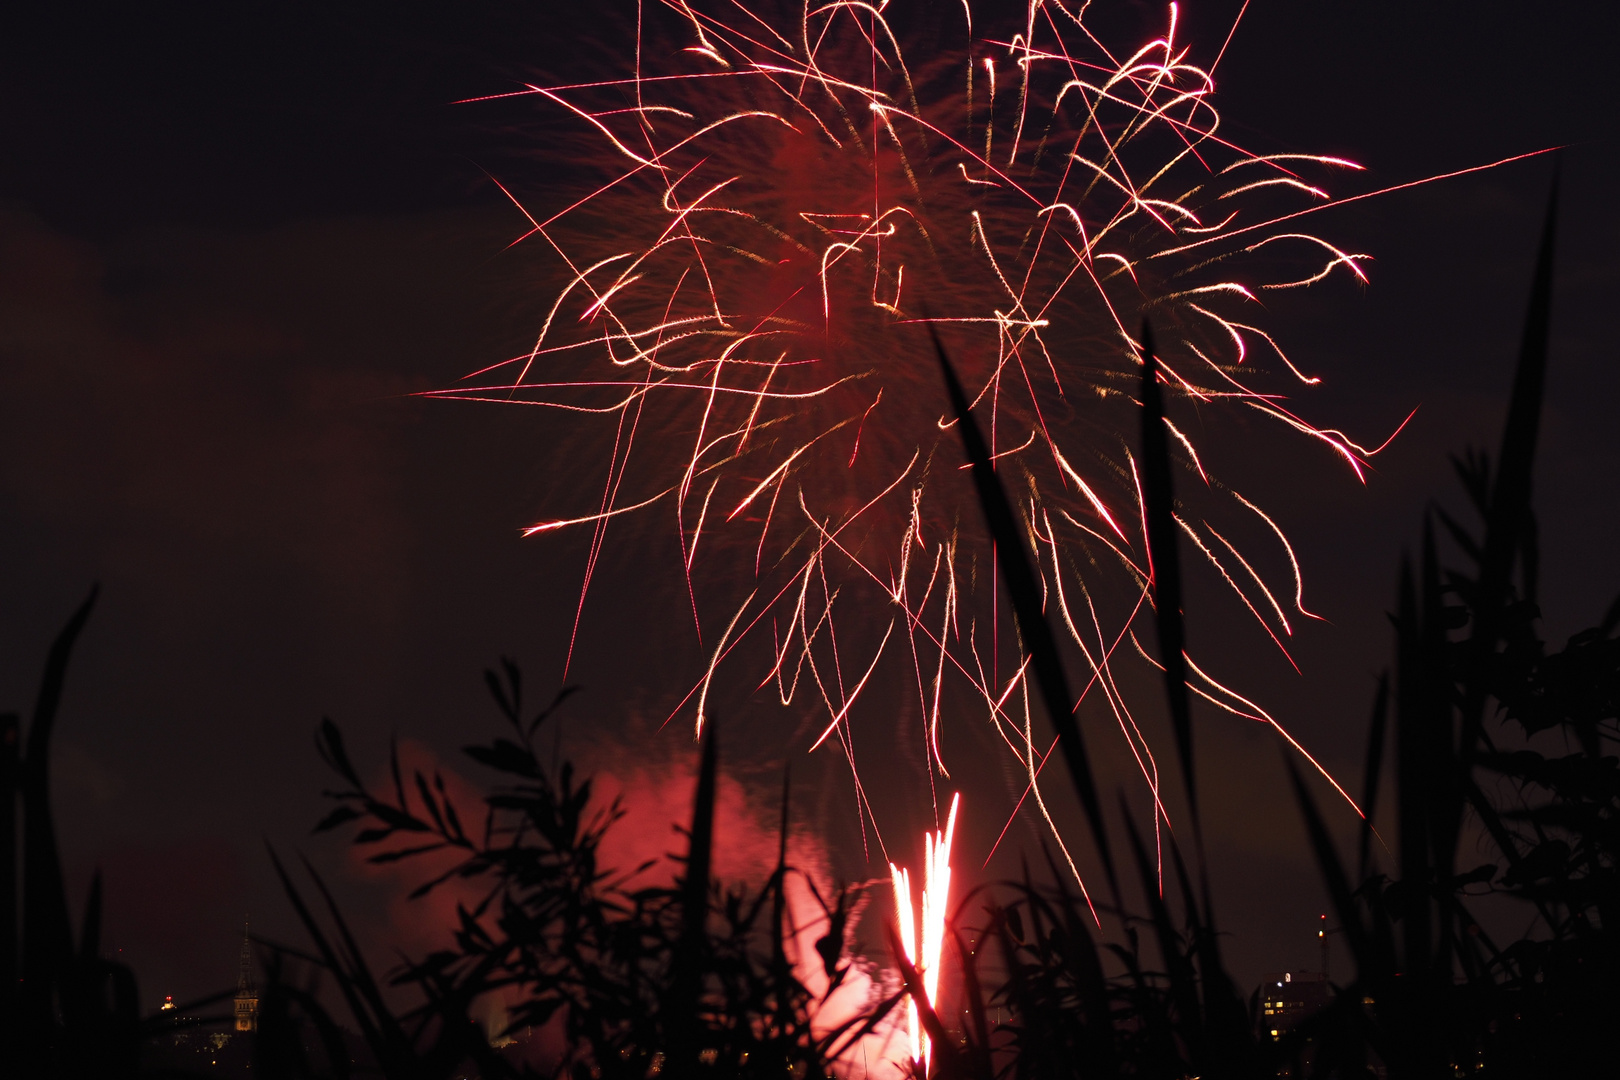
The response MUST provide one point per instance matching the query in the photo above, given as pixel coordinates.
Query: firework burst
(790, 194)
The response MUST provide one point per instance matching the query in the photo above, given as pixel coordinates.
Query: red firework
(791, 194)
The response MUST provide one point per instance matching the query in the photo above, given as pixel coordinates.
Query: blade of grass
(1510, 499)
(1025, 594)
(10, 783)
(1183, 982)
(90, 934)
(700, 852)
(949, 1061)
(1371, 965)
(1414, 730)
(779, 878)
(686, 982)
(1096, 1050)
(978, 1049)
(47, 928)
(1374, 767)
(1445, 794)
(1164, 563)
(329, 957)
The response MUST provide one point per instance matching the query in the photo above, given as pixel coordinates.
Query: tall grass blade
(279, 1051)
(686, 982)
(779, 878)
(1370, 962)
(47, 941)
(1414, 731)
(700, 852)
(1181, 976)
(10, 783)
(1226, 1018)
(1097, 1055)
(978, 1047)
(1445, 793)
(1509, 517)
(90, 934)
(329, 957)
(1158, 506)
(1025, 594)
(1376, 730)
(949, 1062)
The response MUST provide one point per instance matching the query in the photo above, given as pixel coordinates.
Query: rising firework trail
(922, 924)
(788, 200)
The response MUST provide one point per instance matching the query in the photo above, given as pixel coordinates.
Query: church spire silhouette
(247, 993)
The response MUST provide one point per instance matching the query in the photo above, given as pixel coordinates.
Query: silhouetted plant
(693, 978)
(1067, 1018)
(65, 1010)
(632, 979)
(1434, 995)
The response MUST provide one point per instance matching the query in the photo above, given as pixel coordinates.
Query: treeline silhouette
(698, 978)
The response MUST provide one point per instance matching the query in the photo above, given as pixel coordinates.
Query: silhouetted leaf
(1025, 594)
(1510, 497)
(505, 756)
(1158, 512)
(1373, 768)
(329, 742)
(340, 815)
(47, 933)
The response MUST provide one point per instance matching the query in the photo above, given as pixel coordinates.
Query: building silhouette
(247, 991)
(1288, 997)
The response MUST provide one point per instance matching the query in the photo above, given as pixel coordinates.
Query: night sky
(235, 238)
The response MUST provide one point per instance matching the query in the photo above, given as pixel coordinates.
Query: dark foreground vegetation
(1490, 734)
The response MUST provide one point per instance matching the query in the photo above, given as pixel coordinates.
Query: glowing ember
(923, 932)
(781, 203)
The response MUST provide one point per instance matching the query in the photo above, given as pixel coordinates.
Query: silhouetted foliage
(625, 979)
(1028, 603)
(694, 978)
(1489, 731)
(65, 1010)
(1479, 700)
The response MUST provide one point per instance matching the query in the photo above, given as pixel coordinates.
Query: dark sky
(235, 237)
